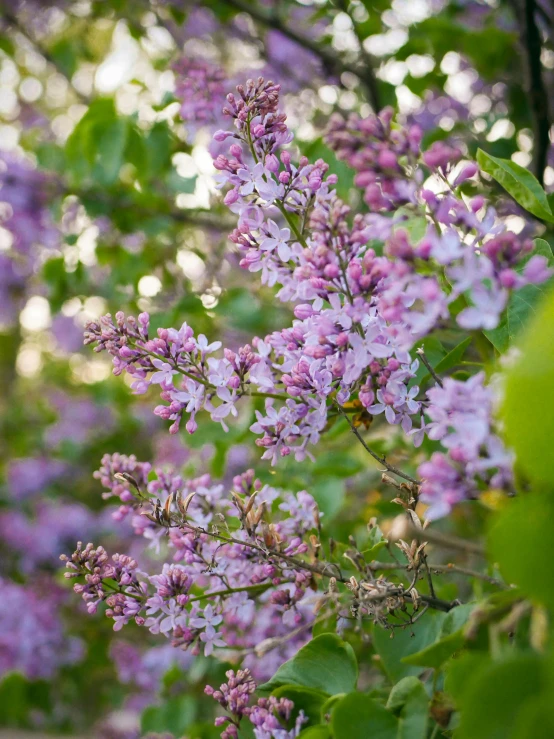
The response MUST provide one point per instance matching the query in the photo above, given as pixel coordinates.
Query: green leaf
(451, 639)
(522, 305)
(409, 700)
(111, 147)
(401, 692)
(371, 554)
(535, 718)
(178, 184)
(51, 156)
(82, 146)
(329, 495)
(496, 695)
(135, 150)
(326, 663)
(321, 731)
(392, 651)
(318, 149)
(461, 670)
(441, 362)
(456, 618)
(305, 699)
(357, 716)
(20, 698)
(174, 716)
(337, 464)
(65, 57)
(521, 543)
(436, 654)
(454, 356)
(415, 226)
(158, 147)
(543, 248)
(518, 182)
(7, 45)
(529, 397)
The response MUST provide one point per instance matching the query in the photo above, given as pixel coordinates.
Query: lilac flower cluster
(235, 547)
(479, 256)
(460, 418)
(200, 86)
(32, 640)
(119, 474)
(360, 306)
(269, 716)
(112, 580)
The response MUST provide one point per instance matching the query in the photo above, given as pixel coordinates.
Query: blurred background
(107, 202)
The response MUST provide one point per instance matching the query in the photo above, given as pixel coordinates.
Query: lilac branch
(381, 460)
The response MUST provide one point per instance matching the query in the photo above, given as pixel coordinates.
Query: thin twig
(538, 95)
(436, 603)
(446, 541)
(381, 460)
(229, 591)
(438, 568)
(427, 363)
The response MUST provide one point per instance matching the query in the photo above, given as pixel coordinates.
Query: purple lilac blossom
(32, 637)
(28, 476)
(163, 603)
(358, 314)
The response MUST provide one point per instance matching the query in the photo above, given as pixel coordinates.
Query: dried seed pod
(126, 477)
(414, 519)
(388, 480)
(149, 516)
(183, 505)
(167, 507)
(258, 515)
(250, 503)
(237, 500)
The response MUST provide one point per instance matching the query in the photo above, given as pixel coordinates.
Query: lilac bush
(336, 282)
(430, 254)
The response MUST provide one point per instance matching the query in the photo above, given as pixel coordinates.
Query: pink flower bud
(303, 311)
(231, 197)
(285, 158)
(272, 163)
(469, 171)
(387, 159)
